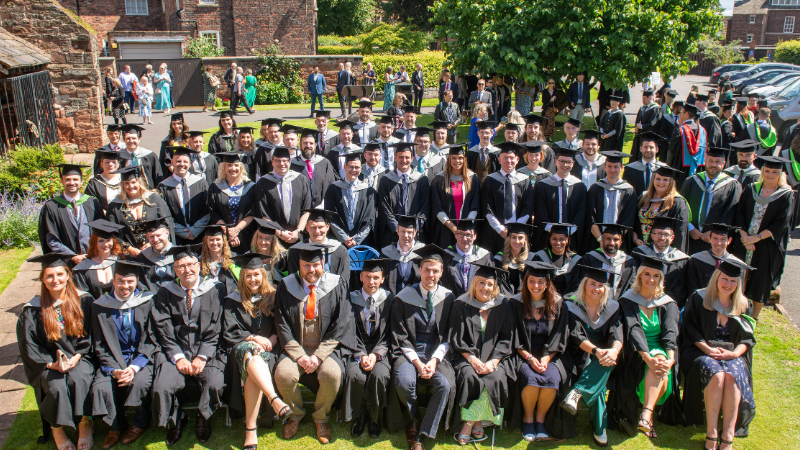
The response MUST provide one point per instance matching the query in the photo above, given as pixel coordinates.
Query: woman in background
(144, 91)
(209, 91)
(388, 89)
(162, 82)
(250, 88)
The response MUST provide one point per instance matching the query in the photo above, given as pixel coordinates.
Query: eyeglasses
(551, 82)
(187, 266)
(661, 235)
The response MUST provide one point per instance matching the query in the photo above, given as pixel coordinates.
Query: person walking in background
(549, 109)
(316, 89)
(229, 77)
(524, 97)
(128, 81)
(117, 99)
(388, 89)
(210, 85)
(249, 88)
(238, 92)
(579, 97)
(418, 83)
(144, 91)
(148, 72)
(342, 80)
(161, 88)
(108, 88)
(370, 77)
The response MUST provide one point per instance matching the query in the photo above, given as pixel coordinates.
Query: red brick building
(153, 29)
(764, 22)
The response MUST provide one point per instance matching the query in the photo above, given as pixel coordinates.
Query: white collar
(557, 177)
(368, 123)
(467, 253)
(405, 253)
(122, 300)
(596, 156)
(654, 161)
(179, 179)
(619, 180)
(70, 199)
(425, 291)
(180, 283)
(367, 296)
(400, 174)
(423, 157)
(504, 174)
(610, 258)
(114, 179)
(323, 131)
(278, 176)
(480, 145)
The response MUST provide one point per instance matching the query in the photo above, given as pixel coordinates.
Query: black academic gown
(635, 174)
(710, 122)
(60, 397)
(675, 277)
(219, 142)
(563, 274)
(337, 260)
(610, 325)
(262, 158)
(84, 275)
(107, 350)
(268, 200)
(198, 215)
(582, 163)
(665, 129)
(650, 118)
(546, 209)
(559, 423)
(96, 167)
(394, 281)
(510, 281)
(699, 269)
(238, 325)
(391, 204)
(699, 325)
(793, 179)
(192, 334)
(623, 401)
(102, 190)
(219, 199)
(54, 219)
(160, 268)
(336, 157)
(613, 122)
(725, 197)
(625, 214)
(493, 204)
(336, 200)
(597, 259)
(452, 277)
(151, 168)
(494, 343)
(434, 164)
(324, 175)
(443, 207)
(743, 177)
(675, 153)
(726, 130)
(204, 164)
(366, 392)
(770, 254)
(153, 208)
(680, 210)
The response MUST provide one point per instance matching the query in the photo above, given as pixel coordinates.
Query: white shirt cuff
(441, 351)
(177, 358)
(135, 368)
(410, 354)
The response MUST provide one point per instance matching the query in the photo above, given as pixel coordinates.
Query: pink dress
(458, 196)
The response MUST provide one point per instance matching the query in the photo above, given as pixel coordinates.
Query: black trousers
(343, 100)
(418, 98)
(237, 97)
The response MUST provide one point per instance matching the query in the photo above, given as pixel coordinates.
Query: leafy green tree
(415, 13)
(344, 17)
(387, 38)
(729, 53)
(618, 42)
(201, 47)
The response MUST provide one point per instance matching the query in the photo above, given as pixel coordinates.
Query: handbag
(721, 344)
(213, 81)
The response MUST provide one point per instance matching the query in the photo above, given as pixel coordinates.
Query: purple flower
(19, 218)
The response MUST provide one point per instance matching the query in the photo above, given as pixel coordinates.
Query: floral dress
(209, 92)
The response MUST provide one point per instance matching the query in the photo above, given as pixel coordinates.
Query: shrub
(202, 47)
(278, 77)
(788, 52)
(329, 39)
(344, 17)
(720, 54)
(33, 169)
(19, 219)
(432, 62)
(339, 50)
(391, 38)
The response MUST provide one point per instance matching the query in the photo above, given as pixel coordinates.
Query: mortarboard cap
(374, 265)
(535, 118)
(591, 134)
(422, 131)
(111, 154)
(648, 91)
(132, 129)
(717, 152)
(439, 124)
(128, 173)
(540, 269)
(248, 130)
(615, 98)
(745, 146)
(672, 92)
(179, 252)
(753, 95)
(774, 162)
(719, 228)
(667, 171)
(104, 229)
(614, 156)
(561, 151)
(71, 169)
(311, 252)
(701, 97)
(595, 273)
(512, 127)
(434, 252)
(229, 113)
(112, 127)
(272, 122)
(712, 91)
(519, 228)
(197, 133)
(649, 136)
(354, 156)
(156, 224)
(575, 122)
(320, 113)
(251, 260)
(407, 221)
(733, 268)
(508, 147)
(764, 103)
(182, 151)
(562, 228)
(653, 262)
(454, 149)
(372, 147)
(309, 133)
(177, 116)
(216, 230)
(51, 260)
(229, 157)
(466, 224)
(665, 223)
(267, 226)
(345, 125)
(741, 100)
(690, 108)
(533, 146)
(318, 215)
(485, 124)
(387, 119)
(279, 151)
(125, 268)
(365, 104)
(613, 228)
(290, 129)
(403, 147)
(486, 271)
(677, 104)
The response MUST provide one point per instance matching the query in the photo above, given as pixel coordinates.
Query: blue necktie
(351, 210)
(421, 166)
(647, 175)
(186, 199)
(704, 202)
(126, 324)
(404, 193)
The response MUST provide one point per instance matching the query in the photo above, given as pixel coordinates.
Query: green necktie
(429, 304)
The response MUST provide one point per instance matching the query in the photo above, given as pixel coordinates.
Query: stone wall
(76, 78)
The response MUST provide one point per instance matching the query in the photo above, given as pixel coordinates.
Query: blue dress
(162, 98)
(388, 95)
(735, 367)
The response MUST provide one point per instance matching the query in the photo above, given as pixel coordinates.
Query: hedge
(788, 52)
(338, 50)
(432, 63)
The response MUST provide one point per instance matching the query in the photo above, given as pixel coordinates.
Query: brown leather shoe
(416, 446)
(323, 432)
(290, 429)
(133, 434)
(412, 429)
(112, 438)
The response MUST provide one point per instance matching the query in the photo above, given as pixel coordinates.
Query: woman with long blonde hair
(53, 333)
(265, 242)
(481, 343)
(455, 195)
(597, 327)
(662, 200)
(230, 200)
(648, 371)
(512, 259)
(716, 351)
(215, 258)
(249, 340)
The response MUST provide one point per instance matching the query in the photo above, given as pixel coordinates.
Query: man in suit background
(316, 88)
(447, 84)
(579, 98)
(481, 96)
(418, 83)
(342, 80)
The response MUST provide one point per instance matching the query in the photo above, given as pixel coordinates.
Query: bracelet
(471, 357)
(529, 357)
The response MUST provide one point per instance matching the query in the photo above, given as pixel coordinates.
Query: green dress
(481, 409)
(592, 385)
(652, 332)
(250, 90)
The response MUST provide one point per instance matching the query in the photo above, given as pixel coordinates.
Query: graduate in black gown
(712, 196)
(216, 260)
(709, 121)
(516, 250)
(94, 274)
(188, 321)
(203, 163)
(609, 256)
(662, 200)
(270, 138)
(506, 197)
(157, 256)
(638, 173)
(743, 169)
(318, 169)
(177, 136)
(455, 194)
(186, 195)
(482, 157)
(265, 242)
(481, 345)
(589, 162)
(345, 146)
(763, 219)
(58, 363)
(280, 196)
(125, 347)
(420, 327)
(612, 126)
(225, 139)
(115, 144)
(402, 191)
(648, 119)
(715, 345)
(105, 185)
(534, 124)
(402, 266)
(352, 202)
(247, 149)
(230, 202)
(531, 164)
(560, 199)
(610, 200)
(544, 371)
(648, 373)
(726, 127)
(687, 146)
(467, 256)
(335, 255)
(368, 370)
(557, 251)
(425, 160)
(138, 156)
(64, 219)
(662, 235)
(701, 265)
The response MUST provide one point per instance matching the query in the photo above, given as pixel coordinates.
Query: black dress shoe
(374, 429)
(358, 426)
(203, 431)
(174, 434)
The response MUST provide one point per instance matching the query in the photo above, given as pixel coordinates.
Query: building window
(788, 24)
(136, 7)
(749, 38)
(786, 2)
(211, 35)
(208, 2)
(752, 19)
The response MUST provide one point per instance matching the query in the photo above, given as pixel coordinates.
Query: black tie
(563, 201)
(508, 199)
(741, 177)
(185, 189)
(647, 175)
(371, 320)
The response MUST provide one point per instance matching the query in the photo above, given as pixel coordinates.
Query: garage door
(150, 50)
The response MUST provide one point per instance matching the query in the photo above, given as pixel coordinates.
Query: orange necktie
(311, 306)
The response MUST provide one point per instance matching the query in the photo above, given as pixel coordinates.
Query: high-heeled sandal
(66, 445)
(723, 441)
(284, 412)
(251, 447)
(87, 441)
(648, 429)
(478, 434)
(715, 440)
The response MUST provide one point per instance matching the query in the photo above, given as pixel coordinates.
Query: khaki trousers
(329, 376)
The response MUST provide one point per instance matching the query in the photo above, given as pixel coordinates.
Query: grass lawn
(11, 260)
(329, 105)
(776, 426)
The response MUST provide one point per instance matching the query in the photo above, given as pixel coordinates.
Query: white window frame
(207, 2)
(786, 2)
(204, 33)
(136, 5)
(749, 38)
(788, 24)
(752, 19)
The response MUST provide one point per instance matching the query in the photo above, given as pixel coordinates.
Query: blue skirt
(550, 379)
(737, 368)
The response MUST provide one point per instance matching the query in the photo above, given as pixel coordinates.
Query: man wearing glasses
(481, 96)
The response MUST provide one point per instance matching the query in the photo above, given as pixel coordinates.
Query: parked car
(718, 72)
(785, 107)
(758, 68)
(764, 77)
(776, 84)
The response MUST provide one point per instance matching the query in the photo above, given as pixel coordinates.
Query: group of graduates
(387, 271)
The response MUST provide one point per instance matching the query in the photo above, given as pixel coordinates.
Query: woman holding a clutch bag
(716, 353)
(54, 343)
